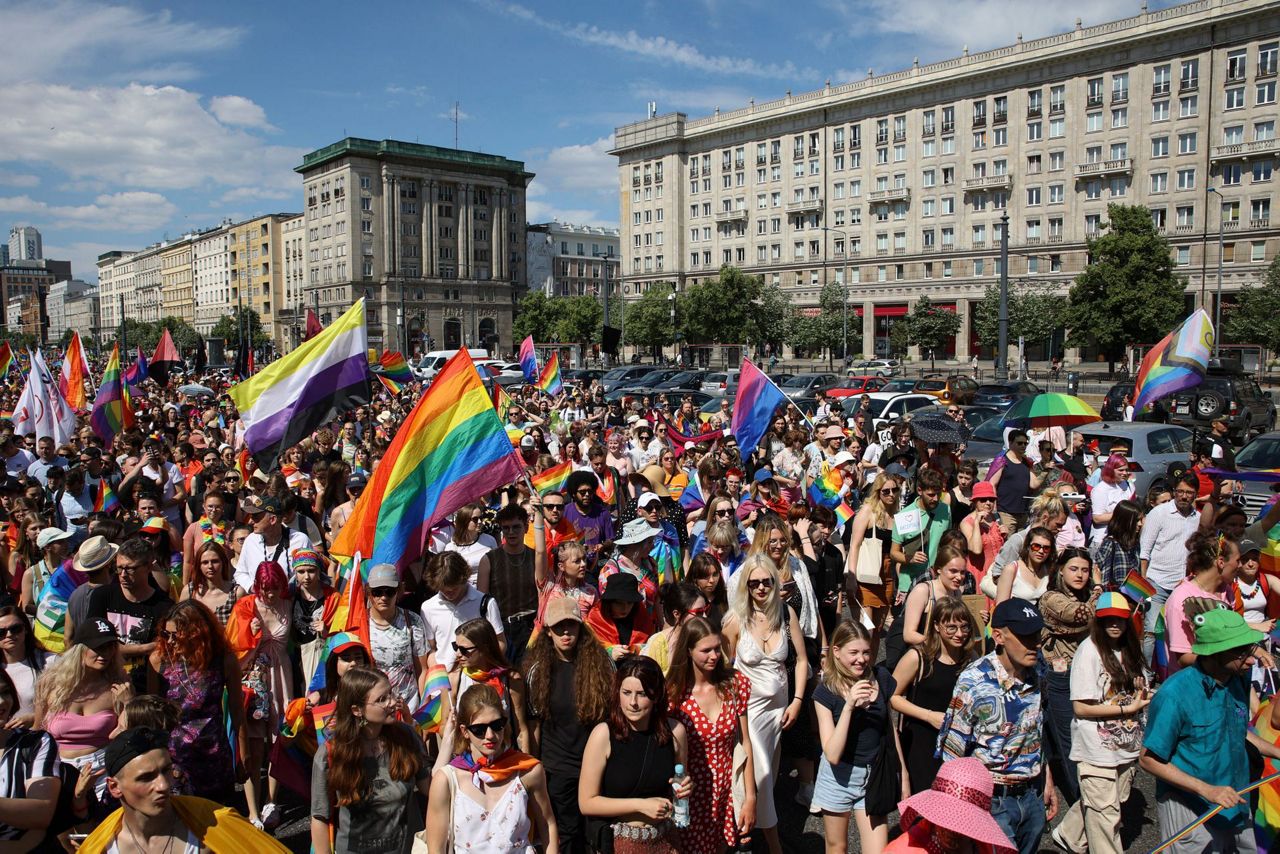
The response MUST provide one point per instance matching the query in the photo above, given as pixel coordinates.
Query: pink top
(81, 732)
(1179, 632)
(585, 595)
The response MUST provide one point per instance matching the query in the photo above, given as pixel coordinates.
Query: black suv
(1226, 391)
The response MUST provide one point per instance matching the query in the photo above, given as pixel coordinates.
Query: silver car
(1262, 453)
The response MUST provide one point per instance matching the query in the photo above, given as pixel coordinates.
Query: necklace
(211, 531)
(142, 847)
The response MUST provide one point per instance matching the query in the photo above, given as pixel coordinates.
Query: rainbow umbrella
(1050, 410)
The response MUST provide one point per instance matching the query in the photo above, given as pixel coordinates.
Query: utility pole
(1002, 353)
(124, 340)
(604, 292)
(1217, 308)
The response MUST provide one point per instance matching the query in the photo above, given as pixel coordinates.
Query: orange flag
(74, 370)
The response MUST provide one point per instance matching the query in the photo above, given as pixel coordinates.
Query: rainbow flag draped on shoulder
(295, 395)
(1178, 362)
(450, 450)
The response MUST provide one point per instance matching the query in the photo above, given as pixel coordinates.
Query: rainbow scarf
(485, 771)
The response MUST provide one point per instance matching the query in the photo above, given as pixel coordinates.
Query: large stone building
(896, 184)
(256, 259)
(72, 304)
(29, 278)
(177, 288)
(573, 260)
(25, 244)
(211, 276)
(433, 236)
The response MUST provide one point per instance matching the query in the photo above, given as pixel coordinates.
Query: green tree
(184, 335)
(1035, 313)
(228, 329)
(1252, 320)
(578, 320)
(772, 317)
(649, 318)
(824, 329)
(930, 327)
(1129, 294)
(536, 315)
(725, 310)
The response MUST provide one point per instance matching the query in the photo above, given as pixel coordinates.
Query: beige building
(572, 260)
(256, 260)
(434, 236)
(896, 184)
(177, 295)
(211, 277)
(292, 313)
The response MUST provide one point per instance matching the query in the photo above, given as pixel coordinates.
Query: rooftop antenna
(653, 109)
(455, 124)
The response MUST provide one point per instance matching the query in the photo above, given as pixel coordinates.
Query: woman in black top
(568, 677)
(629, 768)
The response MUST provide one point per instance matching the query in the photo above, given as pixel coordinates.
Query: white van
(432, 362)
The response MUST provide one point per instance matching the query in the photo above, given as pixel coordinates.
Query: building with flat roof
(66, 306)
(434, 237)
(573, 260)
(895, 185)
(25, 243)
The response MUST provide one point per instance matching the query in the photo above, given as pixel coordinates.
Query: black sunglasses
(382, 592)
(480, 730)
(11, 631)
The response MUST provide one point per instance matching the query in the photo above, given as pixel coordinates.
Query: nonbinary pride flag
(452, 449)
(297, 394)
(754, 406)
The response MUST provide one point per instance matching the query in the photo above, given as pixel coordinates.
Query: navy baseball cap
(1018, 616)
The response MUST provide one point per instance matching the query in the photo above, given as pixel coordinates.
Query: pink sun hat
(959, 801)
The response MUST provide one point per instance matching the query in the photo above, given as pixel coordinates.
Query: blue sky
(126, 122)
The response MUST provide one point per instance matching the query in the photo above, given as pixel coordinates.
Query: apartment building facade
(573, 260)
(177, 293)
(433, 237)
(211, 277)
(895, 185)
(256, 262)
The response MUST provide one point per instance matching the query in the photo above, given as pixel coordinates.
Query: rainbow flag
(112, 413)
(529, 361)
(429, 717)
(502, 402)
(843, 514)
(1178, 362)
(1137, 587)
(6, 358)
(450, 450)
(754, 406)
(549, 379)
(298, 393)
(514, 433)
(396, 373)
(75, 368)
(105, 501)
(825, 489)
(1266, 818)
(1160, 653)
(552, 479)
(51, 610)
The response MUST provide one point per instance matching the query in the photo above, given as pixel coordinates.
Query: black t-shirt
(867, 727)
(333, 455)
(134, 622)
(564, 738)
(826, 573)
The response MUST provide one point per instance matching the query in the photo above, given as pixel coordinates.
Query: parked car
(656, 376)
(1004, 394)
(722, 383)
(684, 379)
(986, 442)
(956, 388)
(878, 367)
(899, 386)
(583, 376)
(887, 407)
(1263, 452)
(976, 415)
(624, 376)
(804, 385)
(1112, 408)
(1226, 391)
(1155, 448)
(854, 386)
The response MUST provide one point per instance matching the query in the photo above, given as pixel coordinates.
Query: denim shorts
(840, 788)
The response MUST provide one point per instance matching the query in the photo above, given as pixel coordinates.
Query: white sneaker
(1056, 836)
(270, 817)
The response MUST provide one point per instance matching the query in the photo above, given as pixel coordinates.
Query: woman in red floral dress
(710, 698)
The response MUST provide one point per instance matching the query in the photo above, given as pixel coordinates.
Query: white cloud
(74, 39)
(18, 179)
(448, 115)
(239, 111)
(128, 211)
(702, 99)
(83, 256)
(158, 138)
(578, 169)
(540, 211)
(418, 94)
(659, 48)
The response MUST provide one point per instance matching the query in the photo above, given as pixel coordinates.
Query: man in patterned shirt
(995, 716)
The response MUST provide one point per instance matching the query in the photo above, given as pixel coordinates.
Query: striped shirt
(29, 755)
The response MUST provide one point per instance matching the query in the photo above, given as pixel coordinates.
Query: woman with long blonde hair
(759, 632)
(874, 521)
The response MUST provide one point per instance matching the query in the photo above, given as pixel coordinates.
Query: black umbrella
(936, 429)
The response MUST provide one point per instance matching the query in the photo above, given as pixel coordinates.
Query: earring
(363, 721)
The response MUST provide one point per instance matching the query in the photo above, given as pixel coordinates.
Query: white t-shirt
(394, 649)
(18, 463)
(1106, 743)
(1104, 497)
(24, 680)
(443, 618)
(168, 478)
(255, 551)
(872, 455)
(472, 553)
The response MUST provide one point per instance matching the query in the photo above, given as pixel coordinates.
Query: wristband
(797, 698)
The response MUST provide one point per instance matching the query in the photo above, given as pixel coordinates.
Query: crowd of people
(686, 642)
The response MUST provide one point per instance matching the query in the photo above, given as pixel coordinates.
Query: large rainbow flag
(754, 406)
(112, 413)
(450, 450)
(1178, 362)
(295, 395)
(75, 369)
(825, 489)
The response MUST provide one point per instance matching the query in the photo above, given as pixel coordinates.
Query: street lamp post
(844, 297)
(675, 330)
(1217, 308)
(1002, 353)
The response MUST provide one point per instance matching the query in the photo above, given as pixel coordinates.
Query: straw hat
(959, 801)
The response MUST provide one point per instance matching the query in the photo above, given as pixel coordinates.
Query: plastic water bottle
(680, 807)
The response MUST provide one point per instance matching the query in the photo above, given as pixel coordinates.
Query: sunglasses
(480, 730)
(463, 650)
(167, 635)
(564, 627)
(11, 631)
(553, 506)
(759, 583)
(724, 514)
(953, 411)
(699, 612)
(350, 655)
(382, 592)
(1039, 547)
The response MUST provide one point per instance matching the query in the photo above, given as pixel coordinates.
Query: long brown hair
(346, 776)
(592, 676)
(647, 672)
(474, 699)
(485, 640)
(199, 583)
(945, 610)
(680, 674)
(1122, 670)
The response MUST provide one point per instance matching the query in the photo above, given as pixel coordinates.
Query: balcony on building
(989, 182)
(734, 215)
(1159, 90)
(813, 205)
(893, 194)
(1105, 168)
(1265, 222)
(1245, 150)
(928, 130)
(999, 117)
